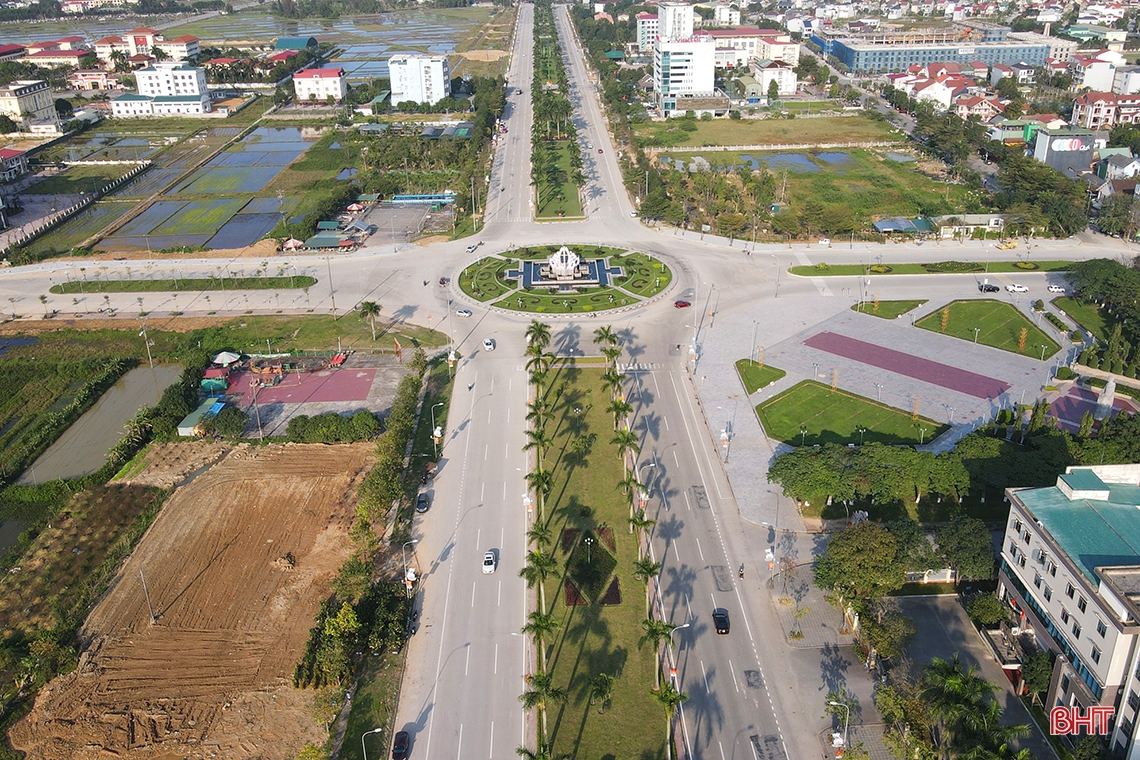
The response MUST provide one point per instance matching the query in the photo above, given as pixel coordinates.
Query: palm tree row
(968, 716)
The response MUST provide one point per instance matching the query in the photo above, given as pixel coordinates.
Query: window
(1021, 560)
(1069, 590)
(1076, 630)
(1017, 525)
(1037, 580)
(1101, 628)
(1065, 683)
(1082, 605)
(1048, 593)
(1096, 659)
(1025, 537)
(1133, 699)
(1052, 568)
(1013, 548)
(1064, 615)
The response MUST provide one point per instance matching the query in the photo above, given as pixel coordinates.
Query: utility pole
(332, 290)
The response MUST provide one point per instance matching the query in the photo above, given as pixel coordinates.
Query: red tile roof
(10, 153)
(325, 73)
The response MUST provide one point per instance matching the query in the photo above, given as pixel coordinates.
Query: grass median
(1088, 315)
(756, 376)
(991, 323)
(184, 284)
(934, 267)
(887, 309)
(811, 413)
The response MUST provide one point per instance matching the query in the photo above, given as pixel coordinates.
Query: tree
(540, 625)
(861, 562)
(369, 310)
(889, 634)
(1117, 217)
(773, 91)
(627, 443)
(987, 610)
(228, 423)
(539, 565)
(540, 535)
(541, 481)
(669, 698)
(968, 548)
(543, 752)
(645, 569)
(601, 689)
(7, 126)
(654, 632)
(1089, 747)
(539, 693)
(538, 334)
(1037, 672)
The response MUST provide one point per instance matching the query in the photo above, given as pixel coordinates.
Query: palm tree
(542, 753)
(611, 353)
(539, 692)
(539, 565)
(956, 696)
(369, 310)
(541, 481)
(645, 569)
(656, 631)
(619, 408)
(638, 521)
(601, 689)
(538, 334)
(669, 698)
(538, 412)
(626, 441)
(539, 361)
(613, 381)
(605, 336)
(540, 626)
(540, 535)
(538, 440)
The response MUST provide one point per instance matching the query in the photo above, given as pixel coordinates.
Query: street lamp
(879, 386)
(366, 733)
(862, 430)
(404, 555)
(976, 331)
(1043, 347)
(673, 667)
(846, 719)
(434, 430)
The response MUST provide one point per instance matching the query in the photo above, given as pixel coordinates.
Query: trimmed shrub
(1064, 373)
(1026, 265)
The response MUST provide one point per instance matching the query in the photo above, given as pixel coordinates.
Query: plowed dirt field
(236, 565)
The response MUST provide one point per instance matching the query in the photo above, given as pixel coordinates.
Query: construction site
(191, 652)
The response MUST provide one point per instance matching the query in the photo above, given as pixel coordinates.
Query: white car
(488, 344)
(1015, 288)
(490, 561)
(463, 313)
(471, 248)
(1056, 289)
(825, 241)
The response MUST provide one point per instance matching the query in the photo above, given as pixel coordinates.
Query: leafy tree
(773, 91)
(987, 610)
(889, 635)
(861, 562)
(968, 548)
(1089, 747)
(228, 423)
(1118, 216)
(1037, 672)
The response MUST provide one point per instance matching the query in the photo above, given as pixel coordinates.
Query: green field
(1087, 315)
(1000, 325)
(183, 284)
(201, 217)
(597, 638)
(557, 303)
(835, 129)
(78, 179)
(941, 267)
(887, 309)
(561, 200)
(484, 280)
(809, 413)
(755, 376)
(644, 275)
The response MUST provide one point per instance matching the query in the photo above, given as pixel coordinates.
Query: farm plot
(236, 565)
(80, 227)
(250, 165)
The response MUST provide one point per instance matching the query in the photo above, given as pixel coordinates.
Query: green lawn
(836, 416)
(77, 179)
(560, 201)
(154, 286)
(374, 705)
(1087, 315)
(484, 280)
(756, 376)
(828, 129)
(942, 267)
(1000, 326)
(644, 275)
(887, 309)
(558, 303)
(596, 638)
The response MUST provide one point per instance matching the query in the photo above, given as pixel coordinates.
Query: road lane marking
(504, 490)
(460, 750)
(688, 504)
(692, 617)
(467, 663)
(473, 594)
(499, 603)
(486, 448)
(733, 671)
(699, 549)
(491, 754)
(666, 421)
(721, 749)
(496, 659)
(676, 461)
(481, 487)
(705, 675)
(488, 416)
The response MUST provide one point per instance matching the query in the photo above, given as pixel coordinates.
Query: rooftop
(1094, 532)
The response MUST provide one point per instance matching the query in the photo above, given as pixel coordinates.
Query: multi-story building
(92, 79)
(419, 78)
(1069, 151)
(165, 89)
(1126, 80)
(884, 51)
(752, 44)
(1104, 110)
(766, 72)
(28, 102)
(1071, 571)
(683, 67)
(674, 21)
(13, 164)
(726, 15)
(143, 41)
(1091, 73)
(319, 84)
(1059, 48)
(646, 31)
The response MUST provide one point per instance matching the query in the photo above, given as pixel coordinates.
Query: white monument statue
(563, 263)
(1105, 400)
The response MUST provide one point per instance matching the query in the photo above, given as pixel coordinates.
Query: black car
(720, 620)
(401, 745)
(422, 503)
(987, 287)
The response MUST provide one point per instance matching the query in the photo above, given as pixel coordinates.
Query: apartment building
(1070, 569)
(647, 25)
(674, 21)
(683, 67)
(143, 41)
(28, 102)
(419, 78)
(1104, 110)
(319, 84)
(165, 89)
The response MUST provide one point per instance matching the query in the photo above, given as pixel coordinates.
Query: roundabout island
(562, 280)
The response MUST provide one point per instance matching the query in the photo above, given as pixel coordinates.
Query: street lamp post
(879, 388)
(435, 430)
(363, 749)
(976, 331)
(846, 719)
(1043, 347)
(673, 653)
(776, 263)
(404, 555)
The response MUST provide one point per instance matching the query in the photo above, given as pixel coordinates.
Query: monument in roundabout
(563, 279)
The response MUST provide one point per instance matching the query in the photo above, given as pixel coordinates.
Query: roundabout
(556, 279)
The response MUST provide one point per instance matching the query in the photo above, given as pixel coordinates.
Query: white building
(1126, 80)
(771, 71)
(646, 31)
(28, 102)
(683, 68)
(1091, 73)
(419, 78)
(319, 84)
(674, 21)
(1071, 572)
(726, 15)
(165, 89)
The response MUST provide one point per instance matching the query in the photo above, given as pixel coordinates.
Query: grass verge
(184, 284)
(809, 413)
(888, 309)
(756, 376)
(560, 200)
(998, 324)
(1088, 315)
(837, 129)
(941, 267)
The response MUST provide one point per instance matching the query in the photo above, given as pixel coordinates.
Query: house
(1113, 187)
(92, 79)
(1091, 73)
(54, 57)
(1126, 80)
(745, 87)
(1069, 571)
(782, 74)
(956, 225)
(979, 106)
(13, 164)
(11, 52)
(1118, 166)
(320, 84)
(28, 102)
(1104, 110)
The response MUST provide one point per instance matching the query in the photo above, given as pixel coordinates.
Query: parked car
(1007, 246)
(988, 287)
(825, 241)
(463, 313)
(681, 304)
(488, 344)
(423, 503)
(1015, 288)
(401, 746)
(490, 561)
(1056, 289)
(720, 620)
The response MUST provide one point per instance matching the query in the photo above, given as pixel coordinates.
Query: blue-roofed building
(295, 43)
(1070, 570)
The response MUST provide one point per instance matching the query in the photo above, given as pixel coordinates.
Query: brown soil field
(168, 464)
(212, 676)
